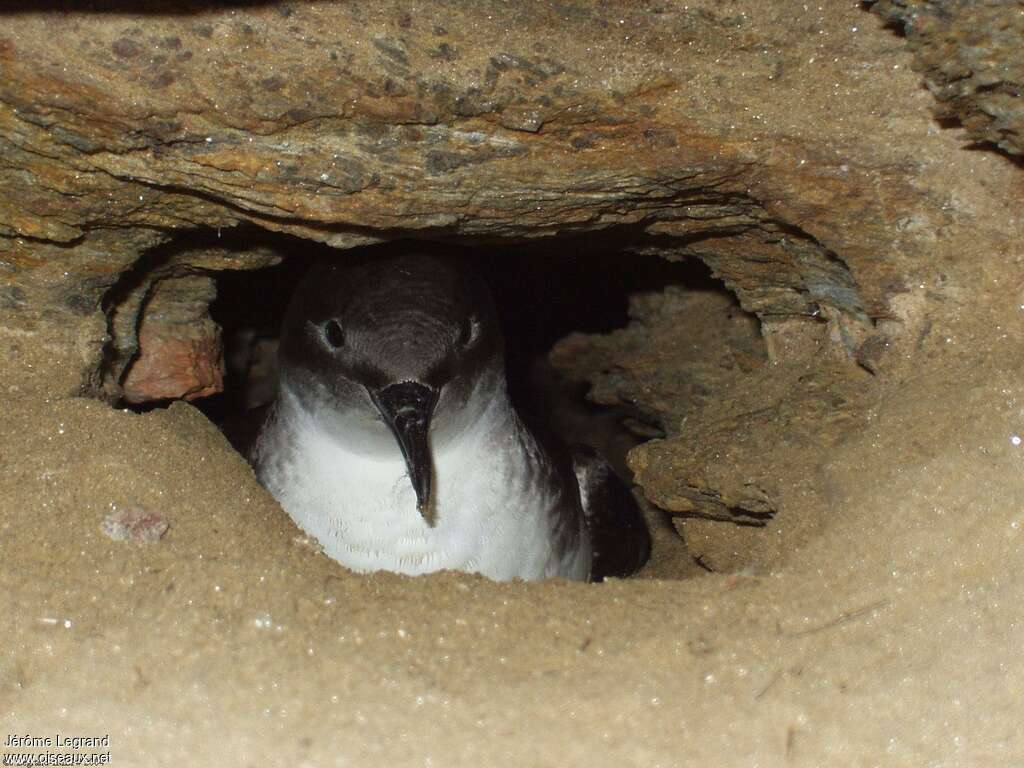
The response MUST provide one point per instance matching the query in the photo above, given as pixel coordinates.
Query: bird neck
(487, 412)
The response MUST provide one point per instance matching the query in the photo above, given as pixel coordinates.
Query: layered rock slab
(720, 135)
(970, 56)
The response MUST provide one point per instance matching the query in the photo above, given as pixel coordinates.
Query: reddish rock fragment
(134, 525)
(176, 361)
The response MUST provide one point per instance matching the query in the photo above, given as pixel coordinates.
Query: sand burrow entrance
(620, 340)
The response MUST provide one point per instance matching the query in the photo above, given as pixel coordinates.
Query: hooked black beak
(407, 408)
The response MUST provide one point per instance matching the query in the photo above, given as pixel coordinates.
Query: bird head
(393, 353)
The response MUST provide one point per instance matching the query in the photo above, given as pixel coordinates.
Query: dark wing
(618, 533)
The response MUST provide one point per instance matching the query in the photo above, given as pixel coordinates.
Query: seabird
(393, 441)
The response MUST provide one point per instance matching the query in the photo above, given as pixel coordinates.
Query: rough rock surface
(350, 123)
(970, 55)
(874, 427)
(161, 341)
(178, 355)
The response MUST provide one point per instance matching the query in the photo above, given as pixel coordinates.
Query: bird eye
(333, 334)
(469, 331)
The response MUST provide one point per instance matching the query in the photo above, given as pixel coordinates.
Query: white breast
(494, 501)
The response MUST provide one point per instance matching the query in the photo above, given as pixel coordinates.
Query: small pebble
(134, 525)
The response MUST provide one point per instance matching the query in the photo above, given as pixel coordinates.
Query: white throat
(495, 499)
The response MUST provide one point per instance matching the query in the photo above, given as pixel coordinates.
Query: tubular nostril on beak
(406, 408)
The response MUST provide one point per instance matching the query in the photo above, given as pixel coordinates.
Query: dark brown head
(402, 350)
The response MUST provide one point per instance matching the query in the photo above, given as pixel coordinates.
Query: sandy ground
(891, 638)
